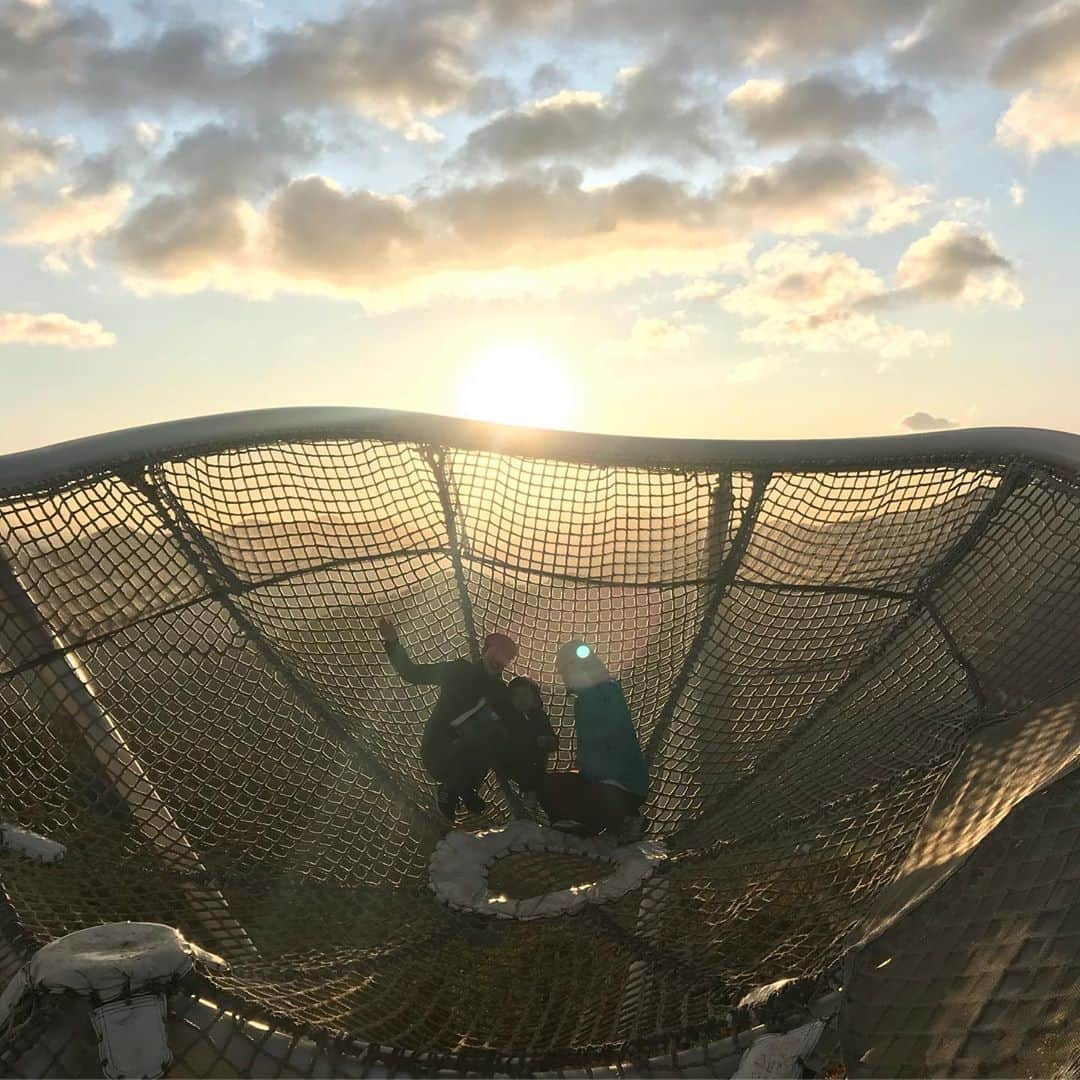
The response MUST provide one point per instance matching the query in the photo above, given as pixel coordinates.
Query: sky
(709, 218)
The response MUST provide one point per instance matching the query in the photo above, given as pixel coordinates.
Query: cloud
(20, 328)
(95, 198)
(392, 63)
(823, 107)
(747, 30)
(1043, 60)
(956, 262)
(56, 264)
(146, 134)
(541, 229)
(820, 188)
(923, 421)
(26, 155)
(72, 215)
(185, 237)
(802, 297)
(798, 296)
(1036, 122)
(235, 160)
(650, 340)
(757, 369)
(955, 37)
(1047, 51)
(1017, 194)
(547, 79)
(648, 113)
(651, 335)
(905, 208)
(389, 62)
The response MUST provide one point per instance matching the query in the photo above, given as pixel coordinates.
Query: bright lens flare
(519, 384)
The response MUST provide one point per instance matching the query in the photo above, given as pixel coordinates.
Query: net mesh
(196, 703)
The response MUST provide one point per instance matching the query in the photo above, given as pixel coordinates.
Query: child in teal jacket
(606, 792)
(607, 745)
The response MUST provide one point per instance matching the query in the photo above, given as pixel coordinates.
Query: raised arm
(404, 665)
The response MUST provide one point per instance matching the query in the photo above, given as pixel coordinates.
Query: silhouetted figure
(462, 738)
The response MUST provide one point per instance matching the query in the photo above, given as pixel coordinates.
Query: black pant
(568, 796)
(461, 762)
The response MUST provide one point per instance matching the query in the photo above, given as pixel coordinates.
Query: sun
(519, 383)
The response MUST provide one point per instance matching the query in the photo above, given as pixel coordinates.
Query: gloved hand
(387, 630)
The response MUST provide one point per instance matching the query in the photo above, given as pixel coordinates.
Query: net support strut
(1014, 477)
(65, 681)
(726, 573)
(222, 582)
(436, 459)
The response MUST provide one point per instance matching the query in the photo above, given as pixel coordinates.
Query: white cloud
(26, 155)
(1038, 121)
(1043, 63)
(56, 264)
(71, 216)
(905, 208)
(147, 134)
(1017, 194)
(801, 297)
(20, 328)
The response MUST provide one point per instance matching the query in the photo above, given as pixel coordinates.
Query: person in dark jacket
(606, 791)
(529, 739)
(463, 735)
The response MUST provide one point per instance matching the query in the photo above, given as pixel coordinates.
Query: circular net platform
(852, 666)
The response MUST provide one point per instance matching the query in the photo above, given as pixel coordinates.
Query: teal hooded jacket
(607, 745)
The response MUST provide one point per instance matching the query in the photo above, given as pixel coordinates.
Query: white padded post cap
(126, 968)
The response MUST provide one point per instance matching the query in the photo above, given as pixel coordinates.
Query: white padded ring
(462, 860)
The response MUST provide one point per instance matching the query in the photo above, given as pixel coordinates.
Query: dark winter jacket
(467, 691)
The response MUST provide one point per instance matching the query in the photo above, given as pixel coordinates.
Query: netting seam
(933, 577)
(776, 832)
(211, 569)
(218, 592)
(242, 588)
(1015, 476)
(436, 459)
(873, 591)
(971, 676)
(724, 579)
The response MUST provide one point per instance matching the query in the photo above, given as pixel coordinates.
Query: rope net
(196, 703)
